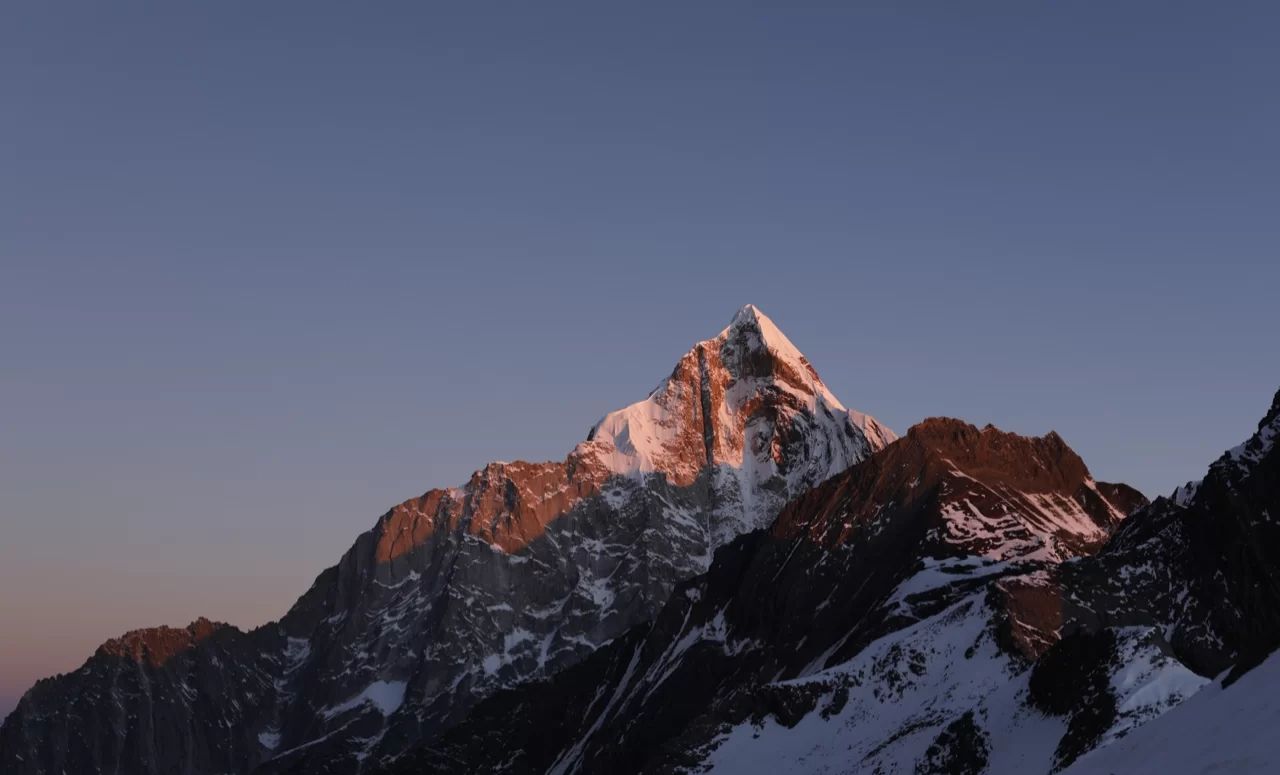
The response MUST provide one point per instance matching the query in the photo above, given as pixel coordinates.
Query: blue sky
(270, 269)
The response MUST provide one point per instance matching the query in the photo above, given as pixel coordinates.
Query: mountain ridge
(526, 568)
(955, 662)
(854, 560)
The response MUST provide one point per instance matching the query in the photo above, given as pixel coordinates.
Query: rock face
(998, 496)
(1204, 568)
(525, 570)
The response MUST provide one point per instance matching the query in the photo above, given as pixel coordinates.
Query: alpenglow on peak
(745, 404)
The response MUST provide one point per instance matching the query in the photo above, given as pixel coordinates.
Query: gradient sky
(268, 269)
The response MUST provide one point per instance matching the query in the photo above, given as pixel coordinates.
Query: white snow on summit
(756, 324)
(746, 410)
(645, 437)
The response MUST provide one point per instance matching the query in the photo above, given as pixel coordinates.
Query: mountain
(869, 623)
(525, 570)
(963, 601)
(736, 575)
(1203, 566)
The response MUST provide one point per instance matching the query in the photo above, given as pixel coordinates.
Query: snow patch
(385, 696)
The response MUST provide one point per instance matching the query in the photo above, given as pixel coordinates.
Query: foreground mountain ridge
(522, 571)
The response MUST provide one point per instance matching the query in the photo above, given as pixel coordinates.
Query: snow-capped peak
(760, 332)
(750, 318)
(746, 400)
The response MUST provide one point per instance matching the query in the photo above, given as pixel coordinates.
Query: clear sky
(267, 269)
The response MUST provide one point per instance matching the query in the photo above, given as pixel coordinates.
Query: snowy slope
(943, 696)
(896, 698)
(1223, 731)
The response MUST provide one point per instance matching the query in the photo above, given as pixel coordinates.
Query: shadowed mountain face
(1203, 566)
(951, 604)
(526, 569)
(165, 699)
